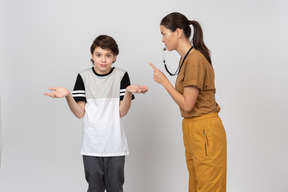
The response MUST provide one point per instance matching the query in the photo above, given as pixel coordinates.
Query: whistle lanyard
(179, 67)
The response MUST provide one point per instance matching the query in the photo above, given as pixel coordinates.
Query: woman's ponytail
(176, 20)
(198, 42)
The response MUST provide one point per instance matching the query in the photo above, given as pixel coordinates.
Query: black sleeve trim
(79, 93)
(125, 82)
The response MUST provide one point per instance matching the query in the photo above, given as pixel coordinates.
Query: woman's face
(169, 38)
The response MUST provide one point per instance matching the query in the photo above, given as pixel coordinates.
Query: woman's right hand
(58, 92)
(159, 76)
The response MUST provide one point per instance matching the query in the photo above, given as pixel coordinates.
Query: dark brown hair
(105, 42)
(176, 20)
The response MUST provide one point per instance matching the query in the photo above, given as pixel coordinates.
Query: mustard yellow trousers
(206, 153)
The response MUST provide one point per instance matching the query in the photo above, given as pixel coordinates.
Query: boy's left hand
(136, 89)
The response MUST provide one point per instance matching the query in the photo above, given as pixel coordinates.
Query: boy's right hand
(58, 92)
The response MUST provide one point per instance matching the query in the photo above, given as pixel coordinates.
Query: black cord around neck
(179, 66)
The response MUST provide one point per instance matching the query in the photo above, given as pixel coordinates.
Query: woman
(203, 133)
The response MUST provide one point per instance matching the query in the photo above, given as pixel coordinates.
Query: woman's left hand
(159, 76)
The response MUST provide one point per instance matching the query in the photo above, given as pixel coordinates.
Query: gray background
(46, 43)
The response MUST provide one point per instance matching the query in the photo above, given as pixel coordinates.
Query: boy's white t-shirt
(103, 131)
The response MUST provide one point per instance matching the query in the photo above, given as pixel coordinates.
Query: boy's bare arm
(77, 108)
(125, 104)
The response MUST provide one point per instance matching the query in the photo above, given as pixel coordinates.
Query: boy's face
(103, 60)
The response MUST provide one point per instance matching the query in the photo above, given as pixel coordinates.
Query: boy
(102, 95)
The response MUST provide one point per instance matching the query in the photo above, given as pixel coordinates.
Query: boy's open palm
(58, 92)
(136, 89)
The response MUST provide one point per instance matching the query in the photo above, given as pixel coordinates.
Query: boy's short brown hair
(105, 42)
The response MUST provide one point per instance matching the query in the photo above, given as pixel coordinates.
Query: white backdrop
(46, 43)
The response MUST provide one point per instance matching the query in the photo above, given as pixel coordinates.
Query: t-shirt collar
(102, 75)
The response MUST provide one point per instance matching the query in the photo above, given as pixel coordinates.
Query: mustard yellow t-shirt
(197, 71)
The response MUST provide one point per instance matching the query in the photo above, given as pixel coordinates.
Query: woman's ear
(179, 32)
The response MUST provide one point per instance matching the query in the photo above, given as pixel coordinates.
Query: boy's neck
(102, 74)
